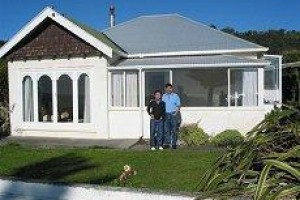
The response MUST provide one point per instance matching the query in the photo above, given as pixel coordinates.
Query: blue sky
(240, 14)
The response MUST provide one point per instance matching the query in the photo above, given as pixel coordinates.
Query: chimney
(112, 15)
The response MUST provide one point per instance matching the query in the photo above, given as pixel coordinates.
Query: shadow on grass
(57, 168)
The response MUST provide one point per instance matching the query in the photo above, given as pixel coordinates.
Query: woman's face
(157, 95)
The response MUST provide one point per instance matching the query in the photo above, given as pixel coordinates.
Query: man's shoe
(152, 148)
(174, 147)
(160, 148)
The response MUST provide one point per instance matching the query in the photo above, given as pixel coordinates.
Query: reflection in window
(155, 81)
(27, 99)
(201, 87)
(45, 99)
(84, 99)
(65, 99)
(244, 87)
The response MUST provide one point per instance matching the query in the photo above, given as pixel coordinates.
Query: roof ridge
(139, 17)
(219, 31)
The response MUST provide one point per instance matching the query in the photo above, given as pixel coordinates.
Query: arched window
(28, 112)
(84, 99)
(45, 99)
(65, 99)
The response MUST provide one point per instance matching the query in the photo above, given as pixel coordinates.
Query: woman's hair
(157, 91)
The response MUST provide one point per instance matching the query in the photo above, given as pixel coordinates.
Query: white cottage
(68, 80)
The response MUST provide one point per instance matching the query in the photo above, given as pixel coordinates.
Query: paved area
(68, 142)
(17, 190)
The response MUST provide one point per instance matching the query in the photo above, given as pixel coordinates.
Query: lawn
(179, 170)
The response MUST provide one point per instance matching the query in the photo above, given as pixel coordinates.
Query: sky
(239, 14)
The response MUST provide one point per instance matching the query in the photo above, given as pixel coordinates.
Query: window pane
(155, 81)
(243, 87)
(45, 99)
(117, 93)
(64, 99)
(272, 74)
(201, 87)
(27, 99)
(84, 99)
(132, 89)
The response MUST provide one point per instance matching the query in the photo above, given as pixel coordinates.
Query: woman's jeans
(170, 137)
(156, 132)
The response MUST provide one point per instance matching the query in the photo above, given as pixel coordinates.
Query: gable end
(51, 40)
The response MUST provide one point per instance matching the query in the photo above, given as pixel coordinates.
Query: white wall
(215, 120)
(95, 67)
(125, 123)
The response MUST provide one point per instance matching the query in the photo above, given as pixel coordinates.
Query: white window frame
(54, 76)
(124, 106)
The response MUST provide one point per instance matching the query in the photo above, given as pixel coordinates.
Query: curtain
(131, 89)
(87, 109)
(117, 89)
(27, 99)
(250, 87)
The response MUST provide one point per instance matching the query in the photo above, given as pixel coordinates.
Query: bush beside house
(191, 134)
(228, 138)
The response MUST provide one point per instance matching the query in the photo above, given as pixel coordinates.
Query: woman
(157, 110)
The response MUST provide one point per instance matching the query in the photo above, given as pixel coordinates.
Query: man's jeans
(156, 132)
(170, 129)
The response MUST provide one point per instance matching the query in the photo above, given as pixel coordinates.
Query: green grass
(179, 170)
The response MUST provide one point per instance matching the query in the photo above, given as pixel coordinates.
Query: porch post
(75, 97)
(35, 98)
(54, 97)
(260, 87)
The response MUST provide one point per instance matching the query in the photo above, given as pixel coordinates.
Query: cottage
(69, 80)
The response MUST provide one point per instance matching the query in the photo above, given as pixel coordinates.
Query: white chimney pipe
(112, 15)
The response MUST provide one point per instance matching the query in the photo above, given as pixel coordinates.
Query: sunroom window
(45, 99)
(65, 99)
(124, 89)
(201, 87)
(28, 112)
(243, 87)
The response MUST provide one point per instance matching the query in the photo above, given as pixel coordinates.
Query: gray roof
(209, 60)
(171, 33)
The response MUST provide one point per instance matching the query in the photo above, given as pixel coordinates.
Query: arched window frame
(86, 111)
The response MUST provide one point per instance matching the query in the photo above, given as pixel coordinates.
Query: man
(157, 110)
(172, 101)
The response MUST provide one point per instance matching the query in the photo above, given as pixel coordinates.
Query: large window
(155, 80)
(125, 89)
(27, 99)
(45, 99)
(65, 99)
(201, 87)
(243, 87)
(84, 99)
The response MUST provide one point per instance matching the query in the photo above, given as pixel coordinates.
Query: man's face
(169, 89)
(157, 96)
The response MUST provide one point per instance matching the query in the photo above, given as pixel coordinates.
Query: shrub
(4, 119)
(191, 134)
(227, 138)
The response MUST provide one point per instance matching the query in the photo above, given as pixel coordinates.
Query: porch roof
(190, 61)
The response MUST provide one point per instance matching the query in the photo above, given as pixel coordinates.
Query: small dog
(126, 174)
